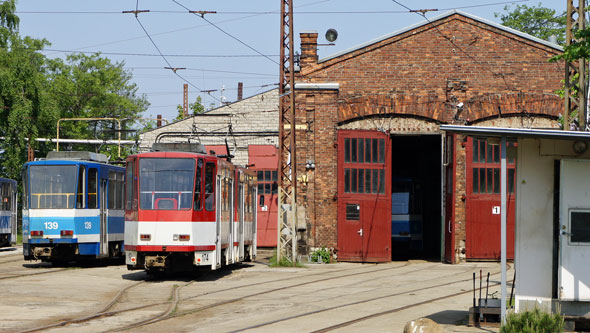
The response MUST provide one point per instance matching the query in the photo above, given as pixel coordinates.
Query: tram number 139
(51, 225)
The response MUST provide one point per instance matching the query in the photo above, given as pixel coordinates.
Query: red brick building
(379, 178)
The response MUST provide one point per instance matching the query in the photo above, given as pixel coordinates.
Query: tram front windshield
(52, 186)
(166, 184)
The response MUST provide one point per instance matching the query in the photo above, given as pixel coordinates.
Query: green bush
(322, 255)
(535, 321)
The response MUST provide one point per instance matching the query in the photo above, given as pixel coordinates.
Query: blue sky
(214, 59)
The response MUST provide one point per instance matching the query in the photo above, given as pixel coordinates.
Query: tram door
(218, 222)
(232, 237)
(104, 240)
(13, 217)
(241, 219)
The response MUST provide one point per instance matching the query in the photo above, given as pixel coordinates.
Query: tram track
(159, 318)
(99, 314)
(175, 300)
(398, 309)
(16, 276)
(309, 313)
(11, 258)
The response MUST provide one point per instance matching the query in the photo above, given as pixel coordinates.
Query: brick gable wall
(418, 79)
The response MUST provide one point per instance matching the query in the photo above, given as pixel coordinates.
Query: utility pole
(574, 100)
(287, 199)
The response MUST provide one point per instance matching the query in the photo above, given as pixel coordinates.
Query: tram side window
(197, 205)
(92, 188)
(6, 196)
(129, 188)
(209, 186)
(81, 197)
(112, 187)
(25, 191)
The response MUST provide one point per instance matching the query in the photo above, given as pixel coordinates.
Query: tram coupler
(42, 252)
(155, 262)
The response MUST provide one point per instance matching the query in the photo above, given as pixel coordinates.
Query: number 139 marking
(51, 225)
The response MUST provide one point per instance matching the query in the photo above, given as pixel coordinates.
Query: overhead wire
(164, 57)
(225, 32)
(258, 13)
(208, 70)
(189, 28)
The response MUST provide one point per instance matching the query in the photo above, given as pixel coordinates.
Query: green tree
(538, 21)
(35, 92)
(90, 86)
(24, 102)
(195, 108)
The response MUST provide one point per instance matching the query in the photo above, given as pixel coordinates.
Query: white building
(552, 237)
(250, 121)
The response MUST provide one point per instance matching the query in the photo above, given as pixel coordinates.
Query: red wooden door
(364, 196)
(264, 160)
(350, 230)
(482, 203)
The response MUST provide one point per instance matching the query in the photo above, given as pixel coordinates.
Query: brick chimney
(309, 48)
(240, 90)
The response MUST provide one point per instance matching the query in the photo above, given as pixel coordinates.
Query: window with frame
(267, 181)
(81, 191)
(166, 183)
(92, 188)
(485, 167)
(198, 204)
(52, 186)
(364, 170)
(580, 227)
(210, 186)
(6, 196)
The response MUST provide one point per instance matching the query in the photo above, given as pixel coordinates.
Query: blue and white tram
(8, 193)
(72, 207)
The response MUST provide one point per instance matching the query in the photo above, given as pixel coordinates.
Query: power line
(188, 28)
(162, 55)
(208, 70)
(165, 55)
(193, 91)
(272, 12)
(202, 16)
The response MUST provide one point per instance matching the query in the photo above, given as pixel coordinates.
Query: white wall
(534, 218)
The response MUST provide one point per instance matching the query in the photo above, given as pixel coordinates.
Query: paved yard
(342, 297)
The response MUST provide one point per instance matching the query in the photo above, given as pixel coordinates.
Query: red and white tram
(184, 209)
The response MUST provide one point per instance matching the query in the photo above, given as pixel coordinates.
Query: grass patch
(284, 262)
(19, 238)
